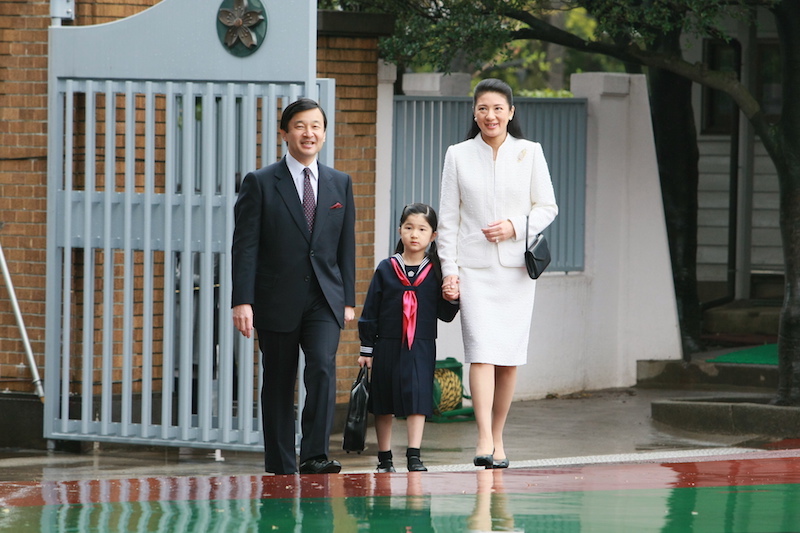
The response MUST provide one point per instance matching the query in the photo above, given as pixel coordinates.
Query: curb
(741, 415)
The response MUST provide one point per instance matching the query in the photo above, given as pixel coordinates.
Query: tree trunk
(789, 328)
(783, 144)
(678, 156)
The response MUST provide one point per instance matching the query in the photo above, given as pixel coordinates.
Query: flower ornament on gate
(239, 22)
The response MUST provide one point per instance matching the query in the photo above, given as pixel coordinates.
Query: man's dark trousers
(318, 336)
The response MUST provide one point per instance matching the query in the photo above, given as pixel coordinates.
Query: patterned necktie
(309, 202)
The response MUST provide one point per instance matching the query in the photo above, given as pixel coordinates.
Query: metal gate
(152, 124)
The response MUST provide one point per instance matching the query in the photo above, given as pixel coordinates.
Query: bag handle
(526, 231)
(535, 239)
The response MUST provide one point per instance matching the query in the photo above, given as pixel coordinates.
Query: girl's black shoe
(415, 464)
(385, 467)
(385, 463)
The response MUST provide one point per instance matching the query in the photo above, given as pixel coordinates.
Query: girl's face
(492, 114)
(416, 233)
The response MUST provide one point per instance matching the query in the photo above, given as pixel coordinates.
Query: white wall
(436, 84)
(590, 328)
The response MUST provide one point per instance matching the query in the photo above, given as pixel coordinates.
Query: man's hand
(243, 319)
(349, 314)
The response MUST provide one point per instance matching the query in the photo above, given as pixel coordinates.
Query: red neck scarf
(410, 299)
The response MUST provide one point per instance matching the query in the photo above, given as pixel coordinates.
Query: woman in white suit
(493, 184)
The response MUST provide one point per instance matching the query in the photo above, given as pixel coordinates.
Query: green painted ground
(766, 354)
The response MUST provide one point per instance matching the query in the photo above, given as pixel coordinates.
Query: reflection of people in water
(396, 503)
(491, 505)
(304, 506)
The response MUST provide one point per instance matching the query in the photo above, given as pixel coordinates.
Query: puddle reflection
(676, 498)
(491, 512)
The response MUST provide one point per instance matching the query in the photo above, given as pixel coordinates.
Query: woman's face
(492, 113)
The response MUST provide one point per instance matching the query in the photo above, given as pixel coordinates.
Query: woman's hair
(493, 85)
(431, 218)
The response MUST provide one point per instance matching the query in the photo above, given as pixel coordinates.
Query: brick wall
(352, 61)
(23, 177)
(23, 169)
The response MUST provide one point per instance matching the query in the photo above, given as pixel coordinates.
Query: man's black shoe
(320, 466)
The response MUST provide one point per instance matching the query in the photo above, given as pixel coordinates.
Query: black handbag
(355, 427)
(537, 254)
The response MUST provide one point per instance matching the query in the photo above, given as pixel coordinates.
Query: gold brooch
(521, 155)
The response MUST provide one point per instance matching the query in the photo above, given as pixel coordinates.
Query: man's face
(306, 135)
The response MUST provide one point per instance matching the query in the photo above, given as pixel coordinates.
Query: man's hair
(298, 106)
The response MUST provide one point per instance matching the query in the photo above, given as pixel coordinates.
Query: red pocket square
(337, 205)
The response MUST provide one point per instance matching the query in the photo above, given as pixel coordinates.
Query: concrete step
(700, 373)
(750, 415)
(759, 317)
(737, 324)
(742, 323)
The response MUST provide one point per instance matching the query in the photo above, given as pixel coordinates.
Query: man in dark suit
(294, 281)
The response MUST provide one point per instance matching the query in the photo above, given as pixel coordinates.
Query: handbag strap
(526, 231)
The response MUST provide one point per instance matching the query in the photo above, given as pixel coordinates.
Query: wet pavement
(588, 462)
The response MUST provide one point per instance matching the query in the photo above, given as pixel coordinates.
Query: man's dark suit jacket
(275, 256)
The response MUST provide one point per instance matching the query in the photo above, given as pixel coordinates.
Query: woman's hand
(450, 289)
(365, 361)
(499, 231)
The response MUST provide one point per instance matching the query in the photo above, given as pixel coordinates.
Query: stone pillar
(387, 76)
(437, 84)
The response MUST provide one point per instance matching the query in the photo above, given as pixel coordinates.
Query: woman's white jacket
(477, 190)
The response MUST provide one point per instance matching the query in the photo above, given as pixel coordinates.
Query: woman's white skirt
(496, 312)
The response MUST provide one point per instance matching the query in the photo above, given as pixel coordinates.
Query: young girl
(398, 333)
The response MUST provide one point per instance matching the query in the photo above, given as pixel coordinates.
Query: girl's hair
(431, 218)
(493, 85)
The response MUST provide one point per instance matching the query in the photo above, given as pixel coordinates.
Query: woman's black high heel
(486, 461)
(500, 463)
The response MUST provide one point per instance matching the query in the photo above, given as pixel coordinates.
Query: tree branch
(539, 29)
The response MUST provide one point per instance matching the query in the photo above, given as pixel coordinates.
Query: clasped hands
(497, 231)
(450, 290)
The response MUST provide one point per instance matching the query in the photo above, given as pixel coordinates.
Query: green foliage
(643, 21)
(544, 93)
(582, 24)
(456, 38)
(483, 36)
(476, 36)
